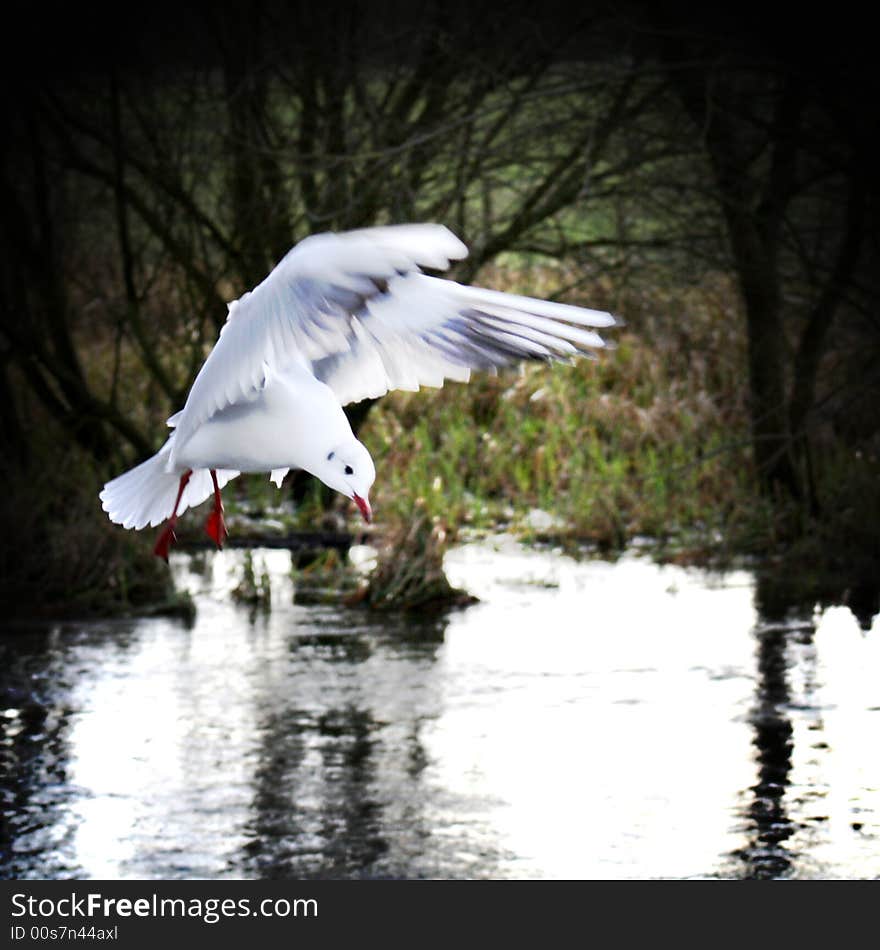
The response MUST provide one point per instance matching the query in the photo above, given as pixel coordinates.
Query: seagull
(342, 317)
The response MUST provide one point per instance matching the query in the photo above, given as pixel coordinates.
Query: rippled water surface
(585, 720)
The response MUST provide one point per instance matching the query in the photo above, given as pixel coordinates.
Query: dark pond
(586, 720)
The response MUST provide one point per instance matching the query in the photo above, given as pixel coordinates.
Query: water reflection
(804, 811)
(766, 855)
(585, 720)
(33, 756)
(338, 788)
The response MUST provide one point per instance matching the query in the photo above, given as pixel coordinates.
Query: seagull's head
(348, 469)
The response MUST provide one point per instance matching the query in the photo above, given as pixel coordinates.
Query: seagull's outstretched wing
(424, 330)
(355, 309)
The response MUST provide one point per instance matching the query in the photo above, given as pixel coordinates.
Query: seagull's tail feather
(145, 494)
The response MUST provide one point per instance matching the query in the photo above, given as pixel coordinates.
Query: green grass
(650, 439)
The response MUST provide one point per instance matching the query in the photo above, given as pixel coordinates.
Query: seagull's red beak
(365, 508)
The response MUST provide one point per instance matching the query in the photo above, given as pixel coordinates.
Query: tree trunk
(771, 437)
(753, 205)
(259, 203)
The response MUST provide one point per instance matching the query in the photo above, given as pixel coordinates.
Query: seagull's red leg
(168, 537)
(215, 525)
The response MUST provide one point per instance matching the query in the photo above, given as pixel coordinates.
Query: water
(585, 720)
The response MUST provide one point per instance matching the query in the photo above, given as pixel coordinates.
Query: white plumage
(343, 317)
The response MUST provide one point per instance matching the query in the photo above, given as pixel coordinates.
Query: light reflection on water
(586, 720)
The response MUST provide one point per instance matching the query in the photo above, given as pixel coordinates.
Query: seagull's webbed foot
(165, 540)
(216, 527)
(168, 536)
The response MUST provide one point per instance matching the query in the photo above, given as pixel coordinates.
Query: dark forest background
(158, 162)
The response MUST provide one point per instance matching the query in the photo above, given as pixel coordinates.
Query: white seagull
(342, 317)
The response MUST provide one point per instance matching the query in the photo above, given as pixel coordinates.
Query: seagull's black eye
(349, 470)
(330, 456)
